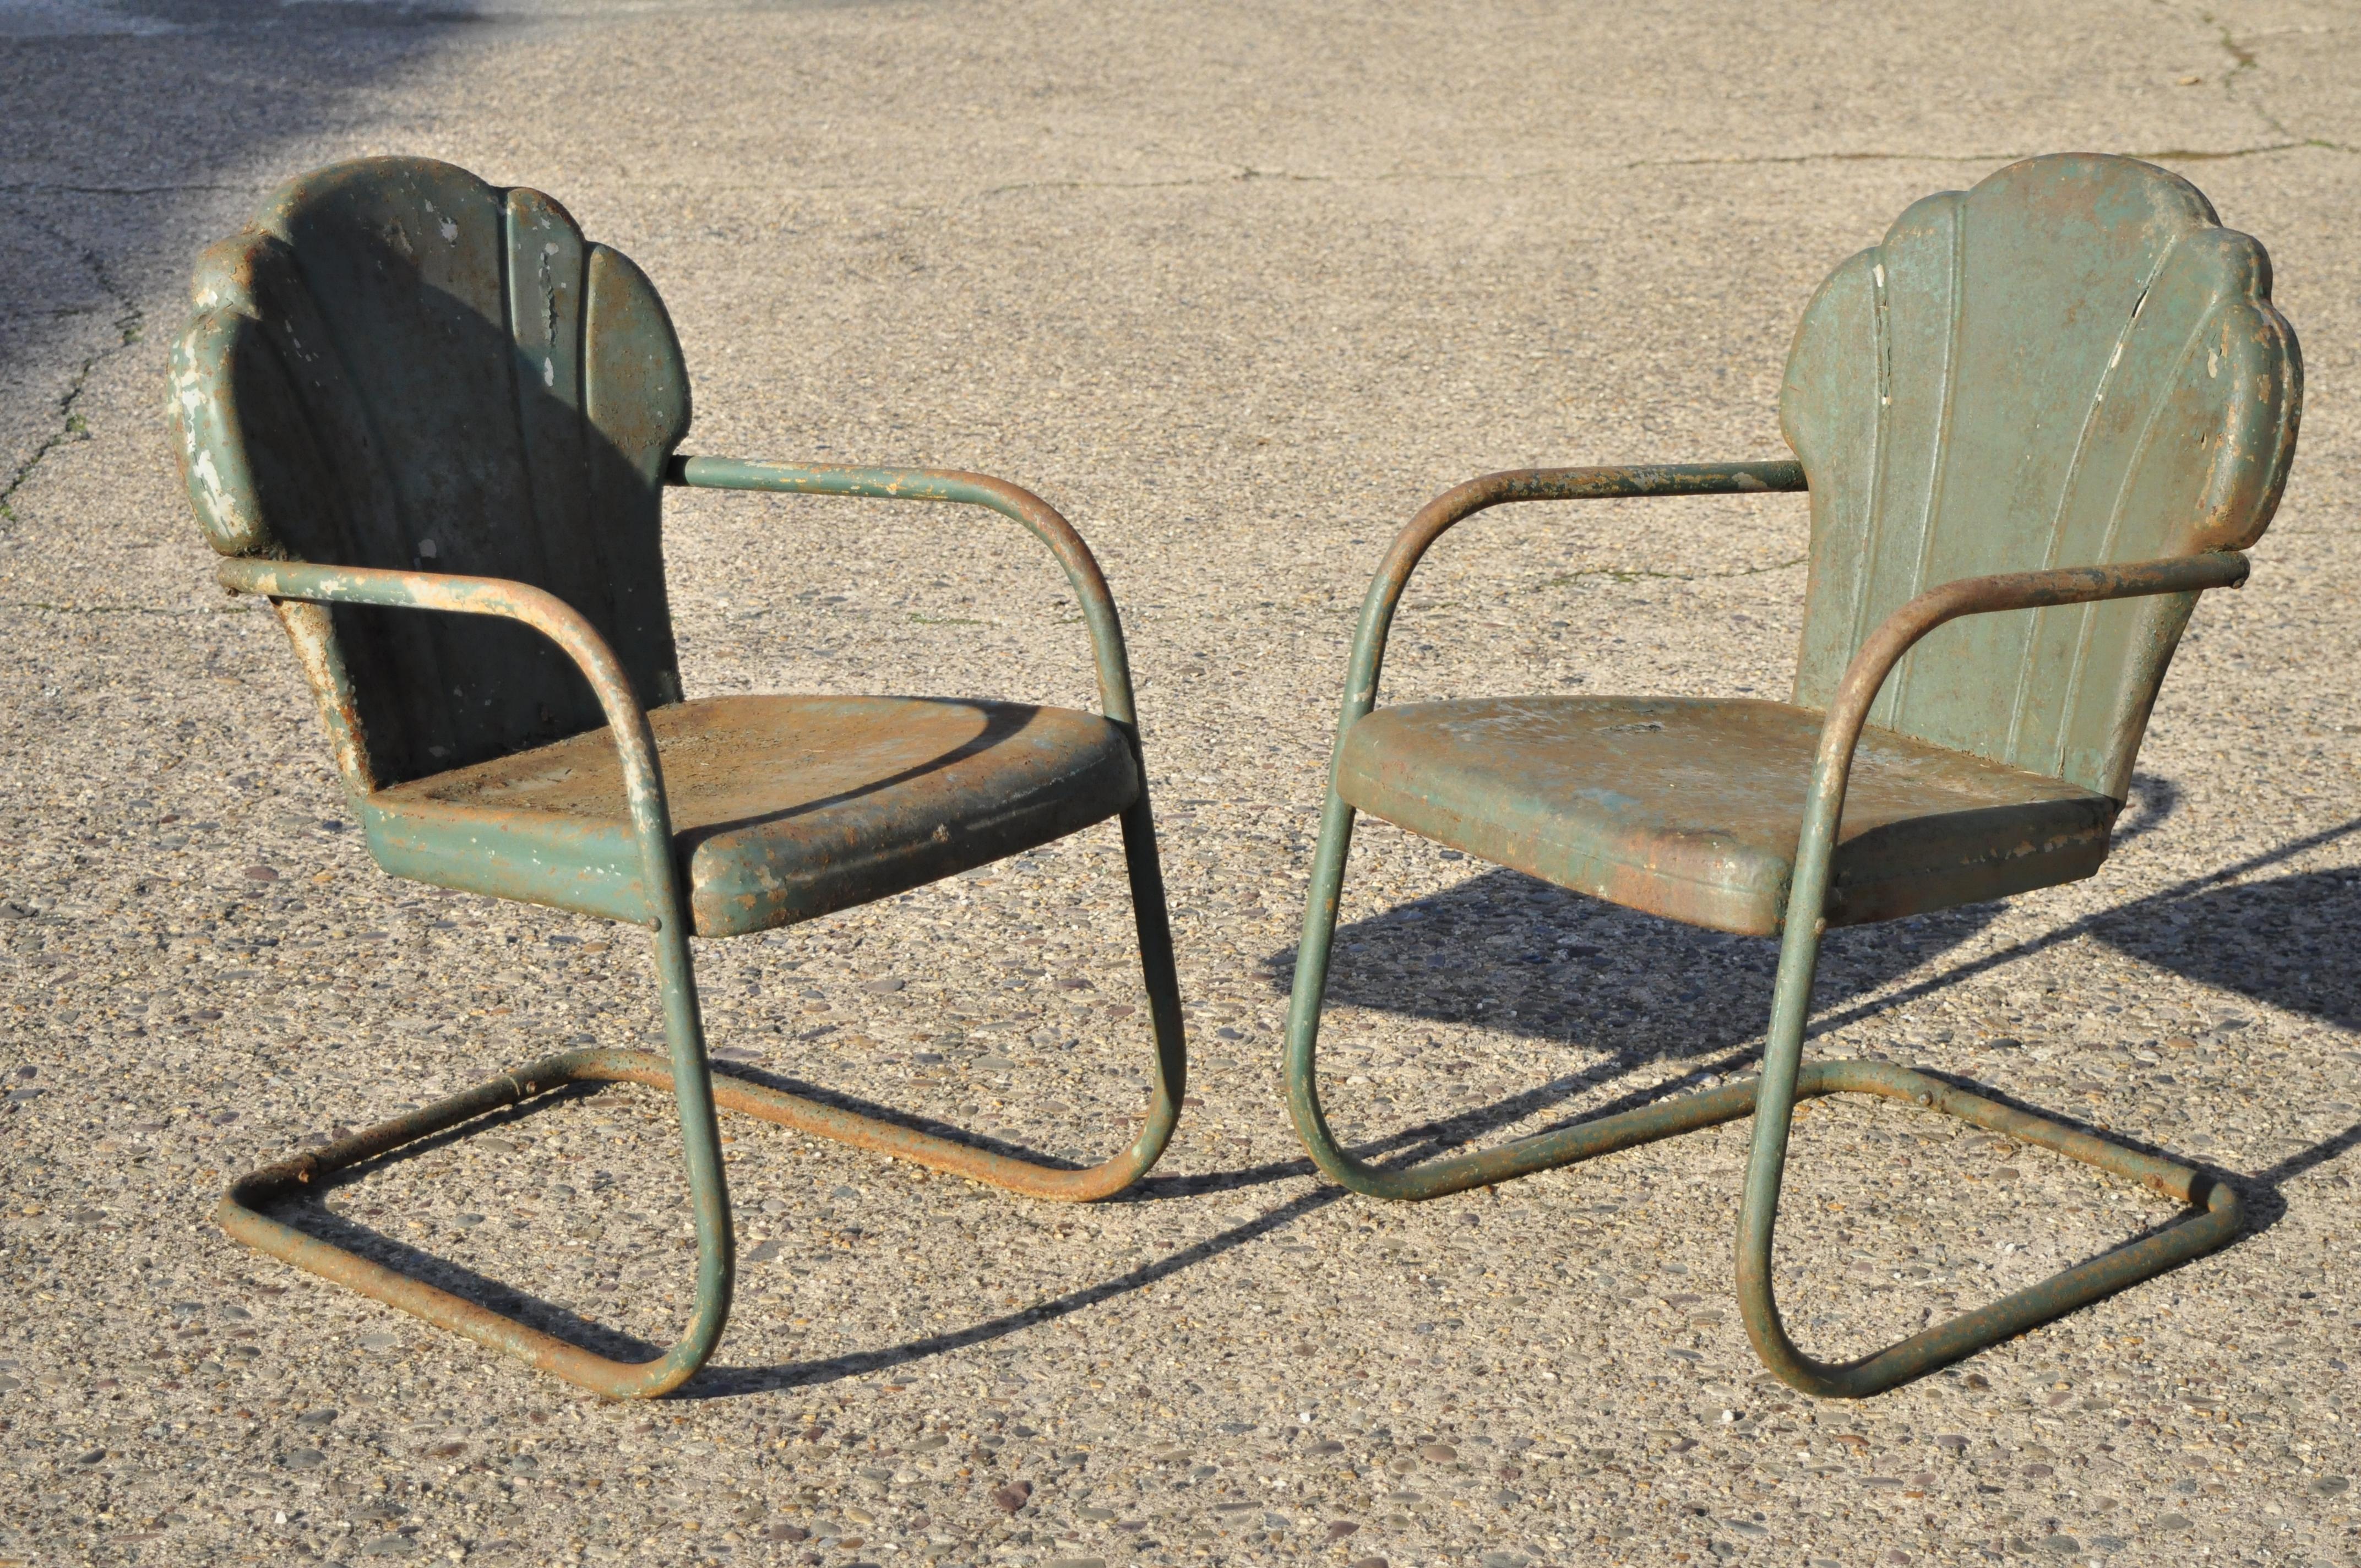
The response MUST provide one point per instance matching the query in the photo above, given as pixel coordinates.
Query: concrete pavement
(1238, 287)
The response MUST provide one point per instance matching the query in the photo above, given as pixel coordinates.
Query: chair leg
(240, 1211)
(2212, 1222)
(1565, 1145)
(1024, 1176)
(697, 1094)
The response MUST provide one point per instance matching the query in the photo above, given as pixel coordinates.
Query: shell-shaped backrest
(397, 365)
(2071, 364)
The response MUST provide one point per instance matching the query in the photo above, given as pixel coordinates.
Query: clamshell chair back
(433, 424)
(2035, 421)
(400, 365)
(2073, 364)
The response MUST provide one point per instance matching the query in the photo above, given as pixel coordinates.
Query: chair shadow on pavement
(312, 1216)
(1721, 1023)
(2275, 941)
(2289, 943)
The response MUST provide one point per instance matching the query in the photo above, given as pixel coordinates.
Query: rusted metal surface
(1772, 1096)
(1328, 861)
(398, 369)
(242, 1213)
(243, 1209)
(661, 911)
(1108, 654)
(2212, 1221)
(784, 808)
(1688, 807)
(2096, 288)
(663, 908)
(1142, 866)
(1145, 871)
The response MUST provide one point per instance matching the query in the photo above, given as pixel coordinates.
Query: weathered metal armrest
(1042, 520)
(546, 613)
(1875, 660)
(1045, 523)
(1866, 675)
(1463, 501)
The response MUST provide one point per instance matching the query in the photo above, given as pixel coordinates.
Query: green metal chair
(2065, 387)
(403, 389)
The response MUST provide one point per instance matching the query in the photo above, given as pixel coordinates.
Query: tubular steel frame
(2213, 1212)
(696, 1092)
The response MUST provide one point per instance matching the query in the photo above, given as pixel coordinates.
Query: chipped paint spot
(210, 479)
(548, 307)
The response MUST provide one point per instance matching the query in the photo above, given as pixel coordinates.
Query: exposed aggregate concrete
(1237, 287)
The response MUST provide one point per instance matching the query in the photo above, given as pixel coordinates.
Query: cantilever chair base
(1770, 1097)
(241, 1211)
(2211, 1223)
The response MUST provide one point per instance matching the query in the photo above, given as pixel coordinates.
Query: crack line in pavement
(62, 313)
(117, 608)
(129, 321)
(2244, 61)
(1246, 173)
(1636, 573)
(35, 188)
(2174, 154)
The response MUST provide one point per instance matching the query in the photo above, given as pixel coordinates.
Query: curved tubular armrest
(546, 613)
(1800, 935)
(1866, 675)
(1463, 501)
(1044, 520)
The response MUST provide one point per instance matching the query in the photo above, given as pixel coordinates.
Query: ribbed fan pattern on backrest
(2070, 363)
(399, 365)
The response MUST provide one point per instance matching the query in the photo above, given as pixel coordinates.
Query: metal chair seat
(783, 807)
(1692, 807)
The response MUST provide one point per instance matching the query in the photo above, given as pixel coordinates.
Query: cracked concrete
(128, 323)
(1239, 288)
(1986, 159)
